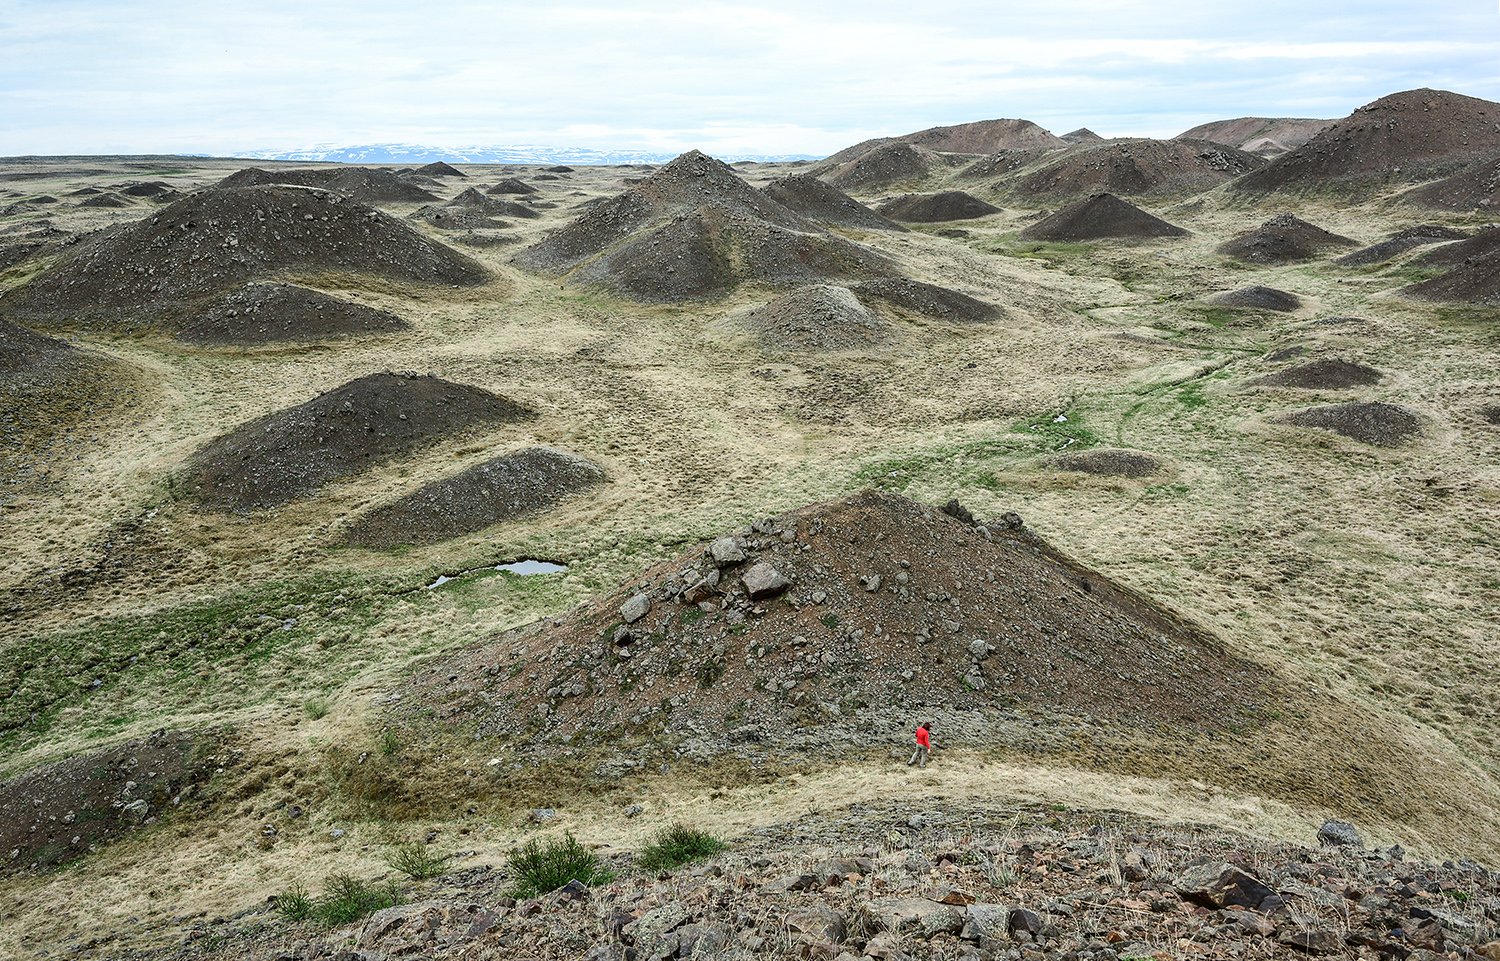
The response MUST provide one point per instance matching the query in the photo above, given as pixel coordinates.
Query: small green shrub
(540, 868)
(416, 861)
(347, 898)
(389, 743)
(678, 845)
(316, 707)
(294, 903)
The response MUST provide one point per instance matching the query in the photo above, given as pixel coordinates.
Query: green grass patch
(416, 861)
(540, 867)
(899, 473)
(677, 845)
(345, 899)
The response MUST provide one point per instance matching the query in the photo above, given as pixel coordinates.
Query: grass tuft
(677, 845)
(540, 868)
(345, 899)
(416, 861)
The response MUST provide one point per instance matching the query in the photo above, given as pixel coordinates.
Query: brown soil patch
(1108, 462)
(1377, 423)
(1403, 137)
(1138, 167)
(166, 266)
(1476, 188)
(820, 317)
(984, 136)
(885, 165)
(1283, 239)
(1245, 132)
(1321, 375)
(512, 185)
(291, 453)
(1101, 216)
(929, 300)
(1257, 297)
(439, 169)
(1399, 243)
(281, 313)
(504, 488)
(936, 208)
(824, 203)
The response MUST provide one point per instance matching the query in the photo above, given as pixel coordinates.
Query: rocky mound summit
(694, 230)
(168, 266)
(807, 628)
(936, 208)
(1099, 217)
(500, 489)
(824, 203)
(472, 199)
(439, 168)
(1252, 133)
(819, 317)
(364, 184)
(1137, 168)
(1402, 138)
(1283, 239)
(271, 313)
(981, 136)
(1376, 423)
(291, 453)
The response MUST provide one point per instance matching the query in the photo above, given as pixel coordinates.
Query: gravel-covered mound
(376, 186)
(1245, 132)
(46, 386)
(1403, 137)
(1477, 187)
(151, 189)
(22, 348)
(1101, 216)
(1283, 239)
(1376, 422)
(291, 453)
(456, 218)
(1137, 167)
(515, 485)
(271, 313)
(1257, 297)
(885, 165)
(984, 136)
(107, 200)
(820, 317)
(1001, 165)
(1399, 243)
(472, 199)
(258, 177)
(824, 203)
(167, 266)
(512, 185)
(1081, 135)
(1109, 462)
(1474, 281)
(929, 300)
(1321, 375)
(936, 208)
(788, 631)
(439, 169)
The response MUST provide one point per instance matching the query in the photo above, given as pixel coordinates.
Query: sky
(806, 77)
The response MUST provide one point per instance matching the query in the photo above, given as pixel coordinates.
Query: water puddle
(525, 567)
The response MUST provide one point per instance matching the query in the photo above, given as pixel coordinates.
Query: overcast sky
(221, 76)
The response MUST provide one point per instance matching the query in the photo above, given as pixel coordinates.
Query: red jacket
(922, 738)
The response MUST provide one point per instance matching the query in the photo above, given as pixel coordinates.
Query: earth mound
(1321, 375)
(22, 348)
(1246, 132)
(824, 203)
(1137, 167)
(272, 313)
(1081, 135)
(1474, 281)
(512, 185)
(439, 169)
(885, 165)
(1491, 413)
(106, 199)
(936, 208)
(929, 300)
(819, 317)
(1283, 239)
(1475, 188)
(1109, 462)
(257, 177)
(1257, 297)
(1403, 137)
(999, 166)
(1399, 243)
(151, 189)
(984, 136)
(167, 266)
(472, 199)
(809, 627)
(1470, 250)
(46, 386)
(1376, 422)
(515, 485)
(291, 453)
(455, 218)
(376, 187)
(1098, 217)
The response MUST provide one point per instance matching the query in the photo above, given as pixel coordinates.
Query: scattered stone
(1221, 885)
(762, 580)
(635, 608)
(1339, 834)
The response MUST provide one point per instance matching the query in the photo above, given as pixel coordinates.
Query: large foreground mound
(293, 452)
(1101, 216)
(826, 204)
(1403, 137)
(1321, 375)
(929, 300)
(936, 208)
(1377, 423)
(820, 317)
(1257, 297)
(155, 272)
(283, 313)
(838, 615)
(1138, 167)
(515, 485)
(1283, 239)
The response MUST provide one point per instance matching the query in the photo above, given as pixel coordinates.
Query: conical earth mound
(1474, 277)
(1101, 216)
(292, 452)
(1403, 137)
(887, 164)
(812, 626)
(1283, 239)
(1376, 423)
(501, 489)
(1477, 187)
(929, 300)
(439, 169)
(472, 199)
(1399, 243)
(166, 267)
(1136, 168)
(1321, 375)
(936, 208)
(824, 203)
(1109, 462)
(820, 317)
(46, 386)
(272, 313)
(1257, 297)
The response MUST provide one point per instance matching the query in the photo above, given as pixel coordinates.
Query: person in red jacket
(924, 745)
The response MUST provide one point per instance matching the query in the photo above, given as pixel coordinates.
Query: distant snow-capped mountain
(402, 153)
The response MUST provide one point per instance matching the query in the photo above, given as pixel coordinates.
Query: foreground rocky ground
(898, 880)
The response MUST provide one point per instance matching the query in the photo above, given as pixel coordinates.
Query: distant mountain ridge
(401, 153)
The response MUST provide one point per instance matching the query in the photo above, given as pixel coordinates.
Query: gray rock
(1313, 940)
(633, 810)
(543, 814)
(726, 551)
(820, 922)
(871, 582)
(1339, 834)
(763, 580)
(986, 921)
(789, 883)
(635, 608)
(1221, 885)
(915, 915)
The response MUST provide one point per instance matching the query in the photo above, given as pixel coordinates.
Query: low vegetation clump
(416, 861)
(677, 845)
(541, 867)
(345, 898)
